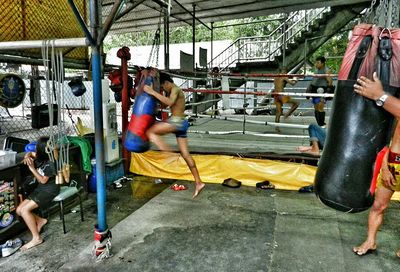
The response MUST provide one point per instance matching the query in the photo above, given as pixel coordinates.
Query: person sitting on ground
(279, 85)
(388, 182)
(43, 170)
(317, 140)
(176, 124)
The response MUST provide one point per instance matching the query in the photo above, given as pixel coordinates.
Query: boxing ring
(241, 146)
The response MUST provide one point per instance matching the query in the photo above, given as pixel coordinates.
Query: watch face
(379, 102)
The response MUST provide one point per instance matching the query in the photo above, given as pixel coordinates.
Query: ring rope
(190, 90)
(236, 75)
(285, 136)
(274, 124)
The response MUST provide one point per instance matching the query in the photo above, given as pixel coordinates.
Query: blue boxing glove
(148, 81)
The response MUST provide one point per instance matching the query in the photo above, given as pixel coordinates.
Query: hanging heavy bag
(143, 113)
(358, 128)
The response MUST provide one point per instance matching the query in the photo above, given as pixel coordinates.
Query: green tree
(246, 27)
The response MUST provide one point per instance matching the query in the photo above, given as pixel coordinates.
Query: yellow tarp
(216, 168)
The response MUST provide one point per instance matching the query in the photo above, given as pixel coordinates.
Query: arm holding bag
(358, 128)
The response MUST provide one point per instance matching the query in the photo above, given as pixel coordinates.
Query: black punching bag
(358, 128)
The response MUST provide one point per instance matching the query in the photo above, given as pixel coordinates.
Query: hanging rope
(58, 145)
(50, 143)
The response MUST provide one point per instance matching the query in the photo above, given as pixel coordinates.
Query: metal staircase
(291, 37)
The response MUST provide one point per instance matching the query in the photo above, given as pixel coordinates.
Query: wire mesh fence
(41, 20)
(17, 122)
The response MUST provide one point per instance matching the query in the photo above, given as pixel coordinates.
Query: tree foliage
(227, 30)
(333, 49)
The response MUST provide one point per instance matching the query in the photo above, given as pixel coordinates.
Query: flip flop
(265, 185)
(177, 187)
(231, 183)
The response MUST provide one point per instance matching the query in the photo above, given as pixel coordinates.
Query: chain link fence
(17, 122)
(41, 20)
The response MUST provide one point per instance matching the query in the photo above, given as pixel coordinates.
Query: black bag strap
(360, 55)
(385, 55)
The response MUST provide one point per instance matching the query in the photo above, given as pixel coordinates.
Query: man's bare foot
(32, 243)
(197, 190)
(312, 152)
(304, 148)
(40, 223)
(365, 248)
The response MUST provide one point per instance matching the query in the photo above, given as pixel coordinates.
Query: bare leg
(40, 222)
(292, 109)
(278, 114)
(183, 147)
(30, 221)
(375, 219)
(154, 133)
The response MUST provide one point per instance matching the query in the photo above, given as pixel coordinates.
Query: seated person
(317, 140)
(44, 171)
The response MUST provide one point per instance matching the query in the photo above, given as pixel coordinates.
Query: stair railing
(266, 48)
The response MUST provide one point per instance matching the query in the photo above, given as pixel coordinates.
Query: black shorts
(44, 194)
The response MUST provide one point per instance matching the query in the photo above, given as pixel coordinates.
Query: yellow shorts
(395, 170)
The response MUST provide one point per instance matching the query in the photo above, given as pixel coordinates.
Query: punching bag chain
(395, 15)
(381, 11)
(367, 16)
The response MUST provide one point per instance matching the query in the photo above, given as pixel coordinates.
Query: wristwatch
(381, 100)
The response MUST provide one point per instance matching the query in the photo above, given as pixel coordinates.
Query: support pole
(194, 54)
(212, 45)
(125, 55)
(81, 22)
(110, 19)
(194, 36)
(166, 39)
(98, 118)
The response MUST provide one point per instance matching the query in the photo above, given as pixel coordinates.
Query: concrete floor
(223, 229)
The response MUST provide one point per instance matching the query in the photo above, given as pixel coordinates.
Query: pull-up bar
(18, 45)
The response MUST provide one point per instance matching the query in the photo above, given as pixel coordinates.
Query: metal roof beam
(191, 14)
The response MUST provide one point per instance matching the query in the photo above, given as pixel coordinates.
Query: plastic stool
(67, 192)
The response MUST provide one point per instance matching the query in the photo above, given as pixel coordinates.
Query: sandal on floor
(231, 183)
(177, 187)
(265, 185)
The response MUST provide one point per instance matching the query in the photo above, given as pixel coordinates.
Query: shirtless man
(388, 181)
(279, 85)
(176, 124)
